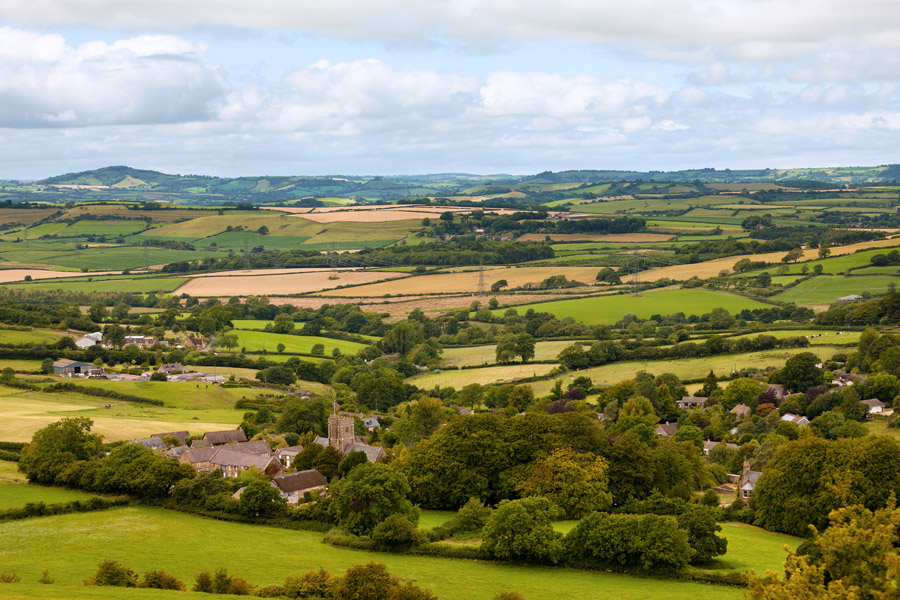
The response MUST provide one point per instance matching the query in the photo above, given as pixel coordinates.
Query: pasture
(256, 341)
(17, 495)
(29, 336)
(825, 337)
(610, 309)
(825, 289)
(131, 535)
(278, 285)
(138, 285)
(471, 356)
(495, 374)
(467, 280)
(685, 368)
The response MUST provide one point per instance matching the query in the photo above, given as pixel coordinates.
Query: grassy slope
(139, 536)
(469, 356)
(160, 284)
(609, 309)
(31, 336)
(15, 495)
(826, 289)
(253, 341)
(484, 376)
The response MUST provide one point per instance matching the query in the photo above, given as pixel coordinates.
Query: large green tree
(54, 447)
(522, 531)
(368, 495)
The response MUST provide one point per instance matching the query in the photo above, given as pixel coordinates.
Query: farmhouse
(666, 429)
(71, 368)
(295, 485)
(171, 368)
(225, 437)
(692, 402)
(874, 406)
(747, 483)
(141, 341)
(234, 464)
(152, 443)
(91, 339)
(198, 458)
(709, 445)
(741, 412)
(795, 419)
(287, 455)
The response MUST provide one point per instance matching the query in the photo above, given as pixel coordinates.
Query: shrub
(710, 498)
(396, 532)
(652, 543)
(473, 516)
(45, 577)
(221, 583)
(370, 581)
(160, 580)
(110, 572)
(509, 596)
(9, 578)
(410, 591)
(314, 584)
(520, 530)
(701, 529)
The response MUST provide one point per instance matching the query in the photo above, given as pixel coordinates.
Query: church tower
(340, 431)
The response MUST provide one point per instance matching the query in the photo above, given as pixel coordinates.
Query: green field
(140, 285)
(136, 536)
(16, 495)
(29, 336)
(825, 337)
(497, 374)
(110, 258)
(256, 341)
(470, 356)
(610, 309)
(9, 472)
(685, 368)
(825, 289)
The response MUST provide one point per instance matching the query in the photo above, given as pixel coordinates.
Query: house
(234, 464)
(709, 445)
(373, 453)
(666, 429)
(875, 406)
(198, 458)
(225, 437)
(691, 402)
(201, 443)
(214, 379)
(176, 452)
(141, 341)
(741, 412)
(171, 368)
(747, 483)
(193, 342)
(795, 419)
(847, 379)
(91, 339)
(259, 447)
(70, 368)
(152, 443)
(295, 485)
(371, 423)
(850, 298)
(287, 455)
(181, 436)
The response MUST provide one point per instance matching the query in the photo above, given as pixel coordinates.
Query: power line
(636, 283)
(332, 262)
(481, 284)
(246, 255)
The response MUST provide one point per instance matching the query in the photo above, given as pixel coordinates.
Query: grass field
(826, 288)
(686, 368)
(471, 356)
(30, 336)
(25, 412)
(140, 285)
(610, 309)
(255, 341)
(132, 535)
(9, 472)
(825, 337)
(496, 374)
(16, 495)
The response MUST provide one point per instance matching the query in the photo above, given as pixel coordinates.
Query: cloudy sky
(295, 87)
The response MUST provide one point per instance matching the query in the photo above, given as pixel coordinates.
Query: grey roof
(666, 429)
(741, 410)
(260, 447)
(225, 437)
(693, 400)
(201, 443)
(289, 451)
(322, 441)
(65, 362)
(748, 479)
(302, 480)
(373, 453)
(371, 422)
(196, 455)
(176, 452)
(153, 443)
(228, 458)
(873, 403)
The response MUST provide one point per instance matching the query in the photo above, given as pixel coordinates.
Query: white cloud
(144, 79)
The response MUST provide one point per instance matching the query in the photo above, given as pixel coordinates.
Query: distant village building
(874, 406)
(709, 445)
(288, 455)
(295, 485)
(171, 368)
(234, 464)
(72, 368)
(850, 298)
(152, 443)
(691, 402)
(741, 412)
(141, 341)
(342, 436)
(747, 483)
(795, 419)
(666, 429)
(225, 437)
(91, 339)
(181, 436)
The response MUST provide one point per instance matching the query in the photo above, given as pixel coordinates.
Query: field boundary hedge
(41, 509)
(101, 393)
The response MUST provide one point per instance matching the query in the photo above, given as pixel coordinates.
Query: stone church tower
(340, 431)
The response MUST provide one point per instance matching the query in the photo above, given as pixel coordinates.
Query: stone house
(295, 485)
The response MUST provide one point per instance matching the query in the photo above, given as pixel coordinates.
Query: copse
(370, 494)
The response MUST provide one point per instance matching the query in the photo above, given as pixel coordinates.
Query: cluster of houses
(190, 342)
(172, 371)
(231, 453)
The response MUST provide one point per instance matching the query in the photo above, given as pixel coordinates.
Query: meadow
(826, 289)
(136, 285)
(685, 368)
(470, 356)
(16, 495)
(495, 374)
(29, 336)
(133, 535)
(256, 341)
(610, 309)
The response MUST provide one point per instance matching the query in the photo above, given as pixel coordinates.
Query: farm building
(141, 341)
(181, 436)
(152, 443)
(67, 367)
(850, 298)
(295, 485)
(875, 406)
(171, 368)
(91, 339)
(795, 419)
(225, 437)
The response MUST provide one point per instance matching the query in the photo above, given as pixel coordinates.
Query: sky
(382, 87)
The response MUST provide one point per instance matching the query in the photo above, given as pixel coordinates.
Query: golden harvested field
(713, 267)
(372, 214)
(252, 272)
(468, 281)
(496, 374)
(9, 275)
(289, 283)
(587, 237)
